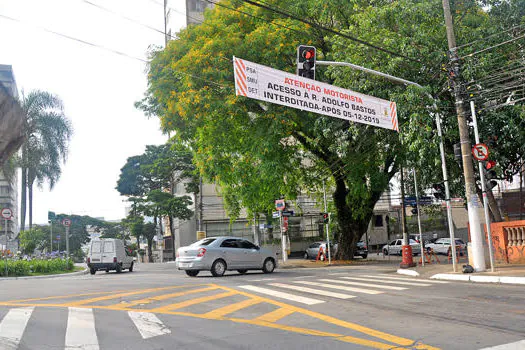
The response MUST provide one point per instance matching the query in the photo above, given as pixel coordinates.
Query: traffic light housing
(325, 217)
(490, 174)
(439, 191)
(306, 57)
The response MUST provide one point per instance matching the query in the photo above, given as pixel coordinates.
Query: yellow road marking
(115, 296)
(63, 296)
(275, 315)
(192, 302)
(228, 309)
(158, 298)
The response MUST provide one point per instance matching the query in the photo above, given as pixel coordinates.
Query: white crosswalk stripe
(363, 284)
(340, 287)
(287, 296)
(80, 333)
(313, 291)
(391, 282)
(148, 324)
(12, 327)
(385, 276)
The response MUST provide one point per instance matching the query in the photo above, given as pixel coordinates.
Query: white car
(395, 247)
(442, 246)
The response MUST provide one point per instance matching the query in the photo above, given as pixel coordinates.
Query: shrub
(26, 268)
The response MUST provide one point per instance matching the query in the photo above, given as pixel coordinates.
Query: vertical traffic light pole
(483, 188)
(327, 225)
(419, 220)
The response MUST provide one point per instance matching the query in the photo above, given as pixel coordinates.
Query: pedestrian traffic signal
(306, 57)
(439, 191)
(325, 217)
(490, 174)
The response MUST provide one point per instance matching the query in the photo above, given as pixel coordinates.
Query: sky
(98, 89)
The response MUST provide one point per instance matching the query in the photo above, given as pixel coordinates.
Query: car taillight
(201, 252)
(88, 260)
(115, 259)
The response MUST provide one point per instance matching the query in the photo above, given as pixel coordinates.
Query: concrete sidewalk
(511, 274)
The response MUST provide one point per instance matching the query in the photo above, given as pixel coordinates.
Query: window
(95, 247)
(108, 247)
(230, 243)
(315, 245)
(247, 245)
(393, 242)
(378, 221)
(205, 241)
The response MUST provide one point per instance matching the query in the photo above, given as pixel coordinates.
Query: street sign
(280, 204)
(66, 222)
(271, 85)
(57, 237)
(201, 235)
(288, 213)
(263, 226)
(275, 214)
(480, 151)
(7, 213)
(423, 200)
(51, 215)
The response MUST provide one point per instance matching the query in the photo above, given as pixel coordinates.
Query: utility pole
(419, 220)
(473, 203)
(408, 260)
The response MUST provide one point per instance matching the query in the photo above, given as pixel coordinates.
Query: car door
(108, 251)
(231, 253)
(95, 252)
(441, 246)
(397, 246)
(251, 255)
(313, 249)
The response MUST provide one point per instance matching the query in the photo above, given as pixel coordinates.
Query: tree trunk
(30, 192)
(138, 242)
(494, 208)
(172, 235)
(23, 200)
(150, 251)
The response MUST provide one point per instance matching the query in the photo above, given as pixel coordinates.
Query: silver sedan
(219, 254)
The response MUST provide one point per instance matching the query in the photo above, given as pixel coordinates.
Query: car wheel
(218, 268)
(269, 265)
(385, 251)
(92, 271)
(119, 268)
(306, 255)
(192, 273)
(107, 270)
(242, 272)
(131, 268)
(364, 256)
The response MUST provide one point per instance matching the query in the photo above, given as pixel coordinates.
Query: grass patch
(75, 269)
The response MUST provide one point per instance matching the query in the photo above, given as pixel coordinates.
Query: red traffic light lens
(309, 54)
(490, 164)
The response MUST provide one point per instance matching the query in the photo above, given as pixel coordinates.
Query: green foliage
(35, 238)
(36, 266)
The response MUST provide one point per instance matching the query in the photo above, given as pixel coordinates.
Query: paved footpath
(157, 307)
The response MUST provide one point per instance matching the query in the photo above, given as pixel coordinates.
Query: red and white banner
(271, 85)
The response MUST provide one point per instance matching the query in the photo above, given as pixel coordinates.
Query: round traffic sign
(480, 151)
(66, 222)
(7, 213)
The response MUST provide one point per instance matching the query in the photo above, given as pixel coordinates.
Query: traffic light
(490, 174)
(439, 191)
(457, 154)
(306, 56)
(325, 217)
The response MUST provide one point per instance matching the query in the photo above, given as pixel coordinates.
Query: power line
(490, 36)
(362, 42)
(492, 47)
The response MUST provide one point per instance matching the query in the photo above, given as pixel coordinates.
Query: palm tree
(48, 132)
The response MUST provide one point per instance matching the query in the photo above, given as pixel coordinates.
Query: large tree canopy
(259, 151)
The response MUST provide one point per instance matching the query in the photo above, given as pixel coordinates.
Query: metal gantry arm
(440, 134)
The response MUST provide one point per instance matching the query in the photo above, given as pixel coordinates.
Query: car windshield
(202, 242)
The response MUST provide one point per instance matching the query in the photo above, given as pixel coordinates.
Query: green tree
(242, 143)
(47, 135)
(35, 238)
(149, 232)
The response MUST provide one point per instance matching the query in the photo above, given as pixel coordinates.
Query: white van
(109, 254)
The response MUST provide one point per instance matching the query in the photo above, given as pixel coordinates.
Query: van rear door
(95, 252)
(108, 251)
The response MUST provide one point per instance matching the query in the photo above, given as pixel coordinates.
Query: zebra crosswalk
(339, 286)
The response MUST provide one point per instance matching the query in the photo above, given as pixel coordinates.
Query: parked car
(221, 254)
(442, 246)
(109, 254)
(395, 247)
(313, 250)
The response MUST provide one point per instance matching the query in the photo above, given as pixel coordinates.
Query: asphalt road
(158, 307)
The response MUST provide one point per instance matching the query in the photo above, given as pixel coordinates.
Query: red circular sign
(7, 213)
(480, 151)
(66, 222)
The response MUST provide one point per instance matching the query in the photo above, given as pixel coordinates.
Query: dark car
(362, 250)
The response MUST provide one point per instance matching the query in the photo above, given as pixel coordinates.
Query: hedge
(27, 268)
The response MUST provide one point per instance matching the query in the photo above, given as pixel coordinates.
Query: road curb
(78, 273)
(408, 272)
(480, 278)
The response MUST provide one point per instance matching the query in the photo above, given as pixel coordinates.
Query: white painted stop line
(80, 333)
(287, 296)
(148, 324)
(12, 327)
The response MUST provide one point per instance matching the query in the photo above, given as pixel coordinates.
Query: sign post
(280, 204)
(67, 223)
(7, 214)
